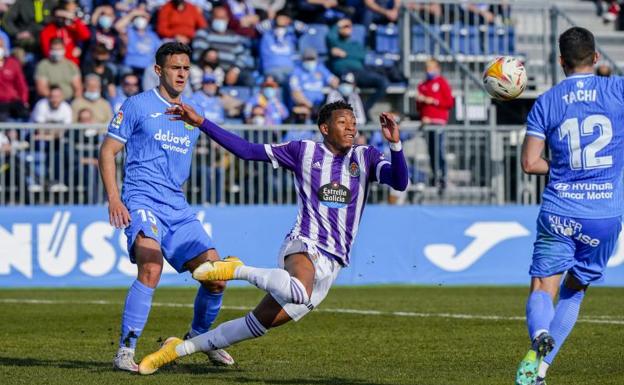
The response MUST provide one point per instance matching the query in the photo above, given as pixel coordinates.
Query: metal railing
(56, 165)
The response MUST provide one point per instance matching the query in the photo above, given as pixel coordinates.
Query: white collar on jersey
(579, 75)
(327, 150)
(160, 97)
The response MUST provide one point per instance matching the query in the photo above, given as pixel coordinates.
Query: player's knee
(149, 274)
(214, 286)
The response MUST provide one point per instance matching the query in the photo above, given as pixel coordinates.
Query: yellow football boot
(222, 270)
(166, 354)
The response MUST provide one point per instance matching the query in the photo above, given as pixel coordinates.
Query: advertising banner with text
(451, 245)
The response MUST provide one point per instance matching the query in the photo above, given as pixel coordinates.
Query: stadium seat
(315, 37)
(465, 40)
(374, 59)
(501, 40)
(359, 33)
(387, 39)
(421, 43)
(238, 92)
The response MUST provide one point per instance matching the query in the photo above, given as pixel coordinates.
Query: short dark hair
(57, 40)
(577, 47)
(326, 111)
(55, 87)
(171, 48)
(125, 76)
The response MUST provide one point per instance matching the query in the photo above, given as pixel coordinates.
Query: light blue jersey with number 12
(582, 121)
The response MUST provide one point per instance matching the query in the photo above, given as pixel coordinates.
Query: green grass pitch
(358, 336)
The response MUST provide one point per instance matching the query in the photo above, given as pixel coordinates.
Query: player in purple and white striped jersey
(332, 180)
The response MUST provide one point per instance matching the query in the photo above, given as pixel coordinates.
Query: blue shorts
(580, 246)
(179, 233)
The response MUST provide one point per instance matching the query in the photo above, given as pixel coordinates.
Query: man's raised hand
(389, 127)
(185, 113)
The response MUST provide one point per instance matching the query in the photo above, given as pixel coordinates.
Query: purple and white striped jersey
(332, 191)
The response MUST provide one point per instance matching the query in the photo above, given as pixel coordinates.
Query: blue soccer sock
(566, 315)
(136, 311)
(207, 305)
(539, 313)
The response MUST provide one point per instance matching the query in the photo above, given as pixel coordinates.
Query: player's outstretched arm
(117, 212)
(394, 174)
(231, 142)
(532, 161)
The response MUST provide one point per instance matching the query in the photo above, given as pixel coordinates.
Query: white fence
(56, 165)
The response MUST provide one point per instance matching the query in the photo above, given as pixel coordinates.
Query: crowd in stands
(254, 61)
(247, 55)
(305, 46)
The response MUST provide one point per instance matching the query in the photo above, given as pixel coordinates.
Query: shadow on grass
(237, 375)
(307, 381)
(91, 365)
(233, 375)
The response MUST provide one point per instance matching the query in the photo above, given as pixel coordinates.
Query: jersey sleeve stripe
(116, 137)
(535, 133)
(269, 151)
(379, 166)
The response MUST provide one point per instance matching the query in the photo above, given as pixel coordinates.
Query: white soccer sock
(224, 335)
(541, 370)
(277, 282)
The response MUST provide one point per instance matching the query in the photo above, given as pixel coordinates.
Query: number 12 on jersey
(586, 158)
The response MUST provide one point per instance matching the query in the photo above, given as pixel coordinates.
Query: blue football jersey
(158, 151)
(582, 121)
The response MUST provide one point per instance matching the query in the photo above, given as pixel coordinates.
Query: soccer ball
(505, 78)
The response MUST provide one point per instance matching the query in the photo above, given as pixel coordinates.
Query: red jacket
(172, 22)
(439, 89)
(72, 36)
(12, 82)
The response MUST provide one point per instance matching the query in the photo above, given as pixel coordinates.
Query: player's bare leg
(269, 313)
(139, 300)
(207, 304)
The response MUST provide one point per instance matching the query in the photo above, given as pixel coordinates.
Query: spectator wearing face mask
(434, 102)
(102, 31)
(277, 49)
(179, 20)
(92, 99)
(209, 100)
(14, 95)
(70, 29)
(307, 84)
(140, 40)
(347, 91)
(232, 52)
(129, 87)
(58, 70)
(275, 111)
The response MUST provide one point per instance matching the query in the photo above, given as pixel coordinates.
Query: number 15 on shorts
(146, 215)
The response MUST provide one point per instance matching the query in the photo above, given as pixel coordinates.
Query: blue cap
(209, 78)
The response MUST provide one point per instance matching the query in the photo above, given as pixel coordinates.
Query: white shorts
(325, 273)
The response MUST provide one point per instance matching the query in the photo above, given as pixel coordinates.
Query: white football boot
(124, 360)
